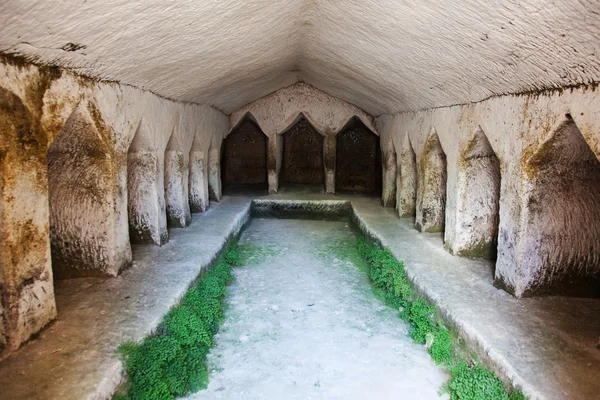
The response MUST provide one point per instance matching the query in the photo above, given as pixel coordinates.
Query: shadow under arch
(301, 152)
(244, 162)
(358, 163)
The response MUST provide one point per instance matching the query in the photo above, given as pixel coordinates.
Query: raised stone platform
(545, 346)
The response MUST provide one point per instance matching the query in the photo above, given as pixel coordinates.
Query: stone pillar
(145, 186)
(558, 236)
(176, 185)
(329, 152)
(84, 180)
(406, 192)
(274, 159)
(475, 232)
(26, 281)
(198, 182)
(388, 194)
(214, 173)
(431, 194)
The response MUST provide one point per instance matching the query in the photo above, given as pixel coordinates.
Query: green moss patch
(172, 361)
(469, 379)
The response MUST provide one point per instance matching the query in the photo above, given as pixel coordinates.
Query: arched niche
(147, 220)
(176, 184)
(82, 185)
(478, 200)
(244, 159)
(358, 159)
(302, 155)
(431, 192)
(560, 243)
(406, 193)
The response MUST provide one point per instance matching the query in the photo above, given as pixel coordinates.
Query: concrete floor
(303, 323)
(544, 345)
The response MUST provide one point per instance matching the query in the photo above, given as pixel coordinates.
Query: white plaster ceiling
(382, 55)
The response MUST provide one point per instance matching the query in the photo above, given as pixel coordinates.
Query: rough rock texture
(303, 155)
(198, 179)
(384, 56)
(516, 128)
(214, 170)
(245, 156)
(406, 182)
(561, 234)
(176, 184)
(357, 159)
(86, 239)
(390, 174)
(283, 109)
(146, 208)
(35, 105)
(431, 189)
(478, 201)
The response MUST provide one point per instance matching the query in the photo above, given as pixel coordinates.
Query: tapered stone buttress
(176, 185)
(145, 177)
(198, 181)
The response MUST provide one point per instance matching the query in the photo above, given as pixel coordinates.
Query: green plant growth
(253, 254)
(469, 381)
(172, 361)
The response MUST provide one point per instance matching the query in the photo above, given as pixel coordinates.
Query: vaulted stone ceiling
(382, 55)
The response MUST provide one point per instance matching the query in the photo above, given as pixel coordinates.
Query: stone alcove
(358, 159)
(302, 151)
(406, 181)
(244, 159)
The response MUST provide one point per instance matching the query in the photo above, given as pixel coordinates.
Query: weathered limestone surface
(550, 353)
(276, 113)
(478, 201)
(176, 184)
(384, 56)
(406, 181)
(517, 128)
(431, 188)
(89, 218)
(98, 314)
(390, 174)
(83, 184)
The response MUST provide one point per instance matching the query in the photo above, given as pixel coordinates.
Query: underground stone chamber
(302, 156)
(358, 161)
(244, 158)
(111, 133)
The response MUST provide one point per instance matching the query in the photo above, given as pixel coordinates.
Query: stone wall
(68, 159)
(522, 172)
(279, 111)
